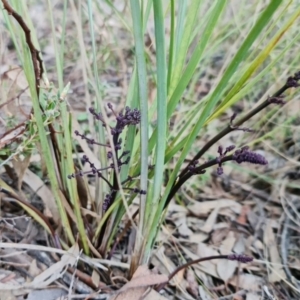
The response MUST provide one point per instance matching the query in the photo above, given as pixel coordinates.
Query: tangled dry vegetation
(253, 210)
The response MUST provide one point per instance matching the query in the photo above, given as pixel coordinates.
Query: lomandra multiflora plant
(129, 117)
(132, 117)
(192, 43)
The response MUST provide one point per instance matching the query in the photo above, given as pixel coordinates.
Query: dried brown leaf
(20, 165)
(181, 225)
(7, 295)
(165, 265)
(138, 287)
(198, 237)
(14, 256)
(276, 270)
(48, 276)
(242, 218)
(95, 278)
(203, 208)
(218, 235)
(240, 245)
(153, 295)
(210, 221)
(192, 284)
(209, 267)
(47, 294)
(226, 269)
(252, 296)
(228, 244)
(204, 295)
(17, 75)
(6, 139)
(248, 282)
(39, 187)
(34, 269)
(143, 277)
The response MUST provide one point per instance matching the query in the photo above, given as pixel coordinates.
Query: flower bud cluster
(129, 117)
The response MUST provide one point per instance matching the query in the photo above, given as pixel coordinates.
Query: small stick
(240, 258)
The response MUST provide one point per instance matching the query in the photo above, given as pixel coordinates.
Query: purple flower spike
(245, 155)
(276, 100)
(219, 171)
(229, 148)
(240, 257)
(106, 202)
(220, 150)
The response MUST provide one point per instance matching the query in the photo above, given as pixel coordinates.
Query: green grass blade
(172, 45)
(65, 140)
(184, 42)
(257, 62)
(143, 94)
(196, 57)
(182, 7)
(192, 65)
(43, 134)
(219, 90)
(154, 193)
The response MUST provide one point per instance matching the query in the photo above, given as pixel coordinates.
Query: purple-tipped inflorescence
(293, 81)
(222, 155)
(240, 156)
(193, 168)
(193, 165)
(107, 201)
(245, 155)
(240, 257)
(129, 117)
(277, 100)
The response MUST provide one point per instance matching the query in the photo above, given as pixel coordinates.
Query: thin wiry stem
(275, 98)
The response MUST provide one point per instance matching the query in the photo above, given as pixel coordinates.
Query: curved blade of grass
(31, 210)
(143, 93)
(182, 7)
(192, 64)
(154, 193)
(65, 140)
(191, 67)
(174, 147)
(12, 31)
(96, 84)
(117, 12)
(219, 90)
(230, 99)
(146, 14)
(171, 46)
(72, 184)
(183, 40)
(43, 135)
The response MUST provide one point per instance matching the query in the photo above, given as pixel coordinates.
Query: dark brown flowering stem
(232, 127)
(90, 141)
(275, 98)
(243, 155)
(35, 57)
(38, 68)
(197, 170)
(240, 258)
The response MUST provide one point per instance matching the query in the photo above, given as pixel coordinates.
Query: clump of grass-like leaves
(135, 152)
